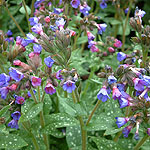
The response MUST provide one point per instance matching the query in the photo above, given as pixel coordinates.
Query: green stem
(35, 143)
(65, 94)
(83, 44)
(116, 138)
(125, 26)
(39, 96)
(33, 96)
(83, 131)
(42, 99)
(145, 54)
(32, 8)
(93, 111)
(75, 40)
(15, 21)
(27, 15)
(141, 142)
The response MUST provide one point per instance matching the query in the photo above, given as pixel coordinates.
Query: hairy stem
(15, 21)
(33, 96)
(27, 15)
(32, 8)
(93, 111)
(141, 142)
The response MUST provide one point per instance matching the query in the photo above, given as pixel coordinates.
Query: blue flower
(29, 94)
(16, 115)
(37, 48)
(75, 3)
(49, 61)
(69, 86)
(4, 80)
(20, 100)
(4, 91)
(85, 9)
(126, 10)
(123, 102)
(103, 4)
(121, 56)
(121, 121)
(31, 38)
(15, 74)
(102, 94)
(101, 28)
(60, 23)
(112, 79)
(126, 131)
(37, 28)
(121, 87)
(58, 10)
(9, 33)
(13, 124)
(37, 3)
(33, 20)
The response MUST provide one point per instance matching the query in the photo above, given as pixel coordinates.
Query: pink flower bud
(111, 49)
(17, 62)
(47, 19)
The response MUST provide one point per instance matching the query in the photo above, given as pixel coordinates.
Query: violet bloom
(29, 94)
(90, 36)
(121, 56)
(123, 102)
(37, 48)
(121, 121)
(15, 74)
(31, 38)
(75, 3)
(121, 87)
(103, 4)
(10, 39)
(53, 28)
(108, 90)
(9, 33)
(58, 75)
(58, 10)
(37, 3)
(126, 130)
(140, 13)
(94, 49)
(60, 23)
(49, 61)
(4, 91)
(85, 9)
(101, 28)
(16, 115)
(36, 81)
(117, 43)
(18, 40)
(20, 100)
(91, 43)
(116, 93)
(102, 94)
(126, 10)
(148, 131)
(4, 80)
(37, 29)
(69, 86)
(33, 20)
(13, 124)
(49, 89)
(112, 79)
(139, 84)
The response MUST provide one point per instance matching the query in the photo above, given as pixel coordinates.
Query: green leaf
(22, 10)
(110, 131)
(82, 39)
(73, 136)
(4, 110)
(104, 144)
(32, 111)
(12, 141)
(96, 81)
(3, 129)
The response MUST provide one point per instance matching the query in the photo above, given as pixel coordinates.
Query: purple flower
(60, 23)
(108, 90)
(4, 80)
(13, 124)
(90, 36)
(103, 4)
(121, 87)
(20, 100)
(126, 130)
(37, 48)
(126, 10)
(49, 89)
(85, 9)
(121, 56)
(139, 84)
(117, 43)
(15, 74)
(121, 121)
(37, 28)
(10, 39)
(75, 3)
(37, 3)
(126, 96)
(58, 75)
(49, 61)
(4, 91)
(36, 81)
(101, 28)
(58, 10)
(148, 131)
(94, 49)
(33, 20)
(53, 28)
(136, 136)
(9, 33)
(102, 94)
(91, 43)
(123, 102)
(139, 13)
(116, 93)
(16, 115)
(112, 79)
(31, 38)
(29, 94)
(69, 86)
